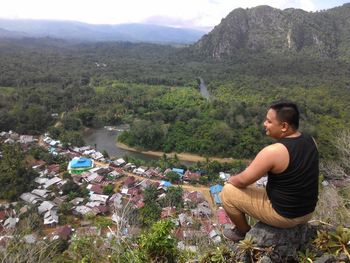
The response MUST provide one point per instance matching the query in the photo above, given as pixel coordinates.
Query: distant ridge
(72, 30)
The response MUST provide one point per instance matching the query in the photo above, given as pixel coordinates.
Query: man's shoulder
(275, 148)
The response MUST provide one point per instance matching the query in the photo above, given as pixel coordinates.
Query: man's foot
(233, 234)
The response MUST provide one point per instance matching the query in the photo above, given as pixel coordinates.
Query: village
(111, 190)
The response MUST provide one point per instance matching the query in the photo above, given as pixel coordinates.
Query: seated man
(291, 163)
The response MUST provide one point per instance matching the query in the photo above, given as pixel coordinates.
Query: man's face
(273, 127)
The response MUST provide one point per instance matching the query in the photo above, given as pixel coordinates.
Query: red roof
(64, 232)
(222, 217)
(53, 168)
(133, 191)
(3, 214)
(99, 179)
(130, 180)
(96, 189)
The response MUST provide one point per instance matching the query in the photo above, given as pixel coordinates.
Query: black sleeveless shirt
(294, 192)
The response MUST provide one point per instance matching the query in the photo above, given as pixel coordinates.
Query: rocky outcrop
(283, 244)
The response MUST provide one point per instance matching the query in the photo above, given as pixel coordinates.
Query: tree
(15, 177)
(108, 189)
(173, 197)
(158, 243)
(173, 177)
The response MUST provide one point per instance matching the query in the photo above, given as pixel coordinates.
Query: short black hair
(287, 112)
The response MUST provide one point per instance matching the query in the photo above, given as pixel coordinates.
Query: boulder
(285, 242)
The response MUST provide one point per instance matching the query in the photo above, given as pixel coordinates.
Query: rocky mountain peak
(267, 29)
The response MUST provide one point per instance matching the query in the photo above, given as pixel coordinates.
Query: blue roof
(216, 189)
(178, 170)
(165, 183)
(217, 199)
(81, 162)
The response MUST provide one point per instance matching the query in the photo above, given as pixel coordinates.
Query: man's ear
(285, 126)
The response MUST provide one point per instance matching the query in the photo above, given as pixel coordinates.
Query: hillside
(72, 30)
(286, 32)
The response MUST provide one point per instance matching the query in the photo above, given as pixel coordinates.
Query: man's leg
(253, 201)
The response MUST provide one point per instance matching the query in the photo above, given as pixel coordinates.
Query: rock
(286, 242)
(326, 259)
(265, 259)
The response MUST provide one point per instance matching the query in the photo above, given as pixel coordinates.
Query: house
(129, 166)
(165, 184)
(46, 206)
(215, 236)
(100, 209)
(99, 179)
(115, 174)
(95, 188)
(133, 192)
(82, 210)
(194, 197)
(118, 163)
(191, 176)
(116, 201)
(52, 181)
(185, 220)
(26, 139)
(202, 209)
(223, 219)
(224, 176)
(91, 177)
(41, 180)
(43, 193)
(99, 198)
(80, 164)
(129, 182)
(11, 222)
(63, 232)
(76, 201)
(178, 171)
(59, 200)
(140, 170)
(215, 191)
(30, 198)
(96, 155)
(168, 212)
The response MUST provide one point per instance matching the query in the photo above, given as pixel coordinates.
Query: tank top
(294, 192)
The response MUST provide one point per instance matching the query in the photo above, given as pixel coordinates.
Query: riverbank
(188, 157)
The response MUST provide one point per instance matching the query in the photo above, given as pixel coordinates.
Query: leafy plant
(158, 243)
(335, 242)
(221, 255)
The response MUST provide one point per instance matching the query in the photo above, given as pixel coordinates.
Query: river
(105, 139)
(203, 89)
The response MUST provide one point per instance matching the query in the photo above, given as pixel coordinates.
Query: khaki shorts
(254, 202)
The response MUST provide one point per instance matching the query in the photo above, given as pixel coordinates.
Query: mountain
(71, 30)
(267, 29)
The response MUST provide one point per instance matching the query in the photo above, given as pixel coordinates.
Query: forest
(154, 88)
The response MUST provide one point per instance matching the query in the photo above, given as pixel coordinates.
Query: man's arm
(262, 163)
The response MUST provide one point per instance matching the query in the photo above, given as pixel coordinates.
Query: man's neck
(292, 134)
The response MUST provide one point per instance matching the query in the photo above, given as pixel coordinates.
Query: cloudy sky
(178, 13)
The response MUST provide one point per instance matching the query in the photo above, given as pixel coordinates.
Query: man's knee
(228, 193)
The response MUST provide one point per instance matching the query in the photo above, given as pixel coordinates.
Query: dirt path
(181, 156)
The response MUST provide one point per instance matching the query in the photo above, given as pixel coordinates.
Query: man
(291, 163)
